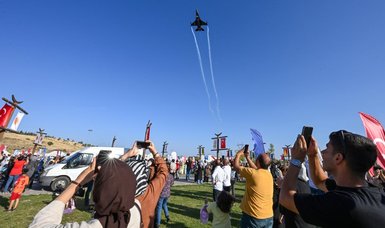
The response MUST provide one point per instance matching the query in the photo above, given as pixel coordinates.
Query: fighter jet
(198, 22)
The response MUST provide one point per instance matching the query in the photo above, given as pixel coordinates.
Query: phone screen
(307, 132)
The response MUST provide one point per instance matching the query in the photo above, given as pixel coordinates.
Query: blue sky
(112, 66)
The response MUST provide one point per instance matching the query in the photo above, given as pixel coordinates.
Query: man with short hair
(257, 202)
(218, 178)
(227, 170)
(349, 200)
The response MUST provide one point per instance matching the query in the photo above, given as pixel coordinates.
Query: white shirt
(218, 178)
(227, 170)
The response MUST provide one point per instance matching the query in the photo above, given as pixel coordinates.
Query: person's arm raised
(130, 153)
(289, 186)
(249, 161)
(237, 166)
(317, 173)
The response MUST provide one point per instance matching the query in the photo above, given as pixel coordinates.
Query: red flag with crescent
(5, 115)
(375, 132)
(223, 143)
(148, 133)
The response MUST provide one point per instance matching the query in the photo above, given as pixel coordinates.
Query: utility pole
(200, 151)
(217, 149)
(39, 139)
(287, 149)
(15, 105)
(164, 148)
(113, 141)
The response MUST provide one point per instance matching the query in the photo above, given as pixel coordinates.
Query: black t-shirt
(292, 220)
(344, 207)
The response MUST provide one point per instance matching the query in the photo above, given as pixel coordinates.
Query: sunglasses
(341, 136)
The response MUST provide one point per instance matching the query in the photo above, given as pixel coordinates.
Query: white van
(61, 174)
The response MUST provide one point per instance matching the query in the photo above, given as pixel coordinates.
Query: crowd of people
(340, 186)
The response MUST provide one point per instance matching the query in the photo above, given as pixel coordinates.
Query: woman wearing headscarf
(114, 197)
(158, 175)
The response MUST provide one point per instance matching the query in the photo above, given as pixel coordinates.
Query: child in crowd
(221, 210)
(20, 184)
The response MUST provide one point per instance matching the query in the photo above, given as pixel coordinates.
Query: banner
(16, 121)
(223, 143)
(375, 132)
(39, 139)
(215, 144)
(5, 115)
(259, 148)
(286, 152)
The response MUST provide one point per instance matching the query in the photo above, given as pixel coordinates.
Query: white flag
(39, 139)
(16, 121)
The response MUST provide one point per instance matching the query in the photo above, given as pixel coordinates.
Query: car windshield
(69, 158)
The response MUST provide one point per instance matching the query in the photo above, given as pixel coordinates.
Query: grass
(184, 207)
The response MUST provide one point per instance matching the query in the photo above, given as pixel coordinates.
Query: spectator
(173, 167)
(31, 166)
(207, 172)
(349, 200)
(199, 171)
(257, 202)
(149, 198)
(162, 202)
(291, 219)
(227, 170)
(218, 177)
(188, 168)
(114, 197)
(15, 172)
(221, 210)
(20, 184)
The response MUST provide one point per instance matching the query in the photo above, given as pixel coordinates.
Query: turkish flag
(375, 132)
(148, 133)
(5, 115)
(223, 143)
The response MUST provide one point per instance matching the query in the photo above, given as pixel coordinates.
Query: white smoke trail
(203, 74)
(212, 74)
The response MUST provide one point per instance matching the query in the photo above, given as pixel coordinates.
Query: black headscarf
(114, 193)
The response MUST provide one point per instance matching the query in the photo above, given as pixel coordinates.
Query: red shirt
(17, 168)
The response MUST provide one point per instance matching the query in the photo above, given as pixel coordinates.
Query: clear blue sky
(111, 66)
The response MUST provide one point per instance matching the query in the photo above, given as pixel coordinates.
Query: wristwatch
(297, 163)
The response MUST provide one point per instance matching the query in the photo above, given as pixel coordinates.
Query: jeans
(187, 174)
(162, 203)
(248, 221)
(89, 185)
(216, 194)
(11, 181)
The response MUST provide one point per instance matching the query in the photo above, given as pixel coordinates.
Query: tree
(50, 143)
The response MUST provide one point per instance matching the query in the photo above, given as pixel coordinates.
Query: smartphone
(103, 156)
(142, 145)
(306, 132)
(246, 148)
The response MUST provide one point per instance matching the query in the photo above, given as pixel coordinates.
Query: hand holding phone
(246, 149)
(307, 132)
(142, 144)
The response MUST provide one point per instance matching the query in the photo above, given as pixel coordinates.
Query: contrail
(212, 73)
(203, 74)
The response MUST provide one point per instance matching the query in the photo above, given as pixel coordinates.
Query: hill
(25, 141)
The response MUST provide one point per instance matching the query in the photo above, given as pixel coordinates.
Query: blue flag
(258, 142)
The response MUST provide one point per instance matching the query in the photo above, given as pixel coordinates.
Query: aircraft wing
(203, 23)
(195, 23)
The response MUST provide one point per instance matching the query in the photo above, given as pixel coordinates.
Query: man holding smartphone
(349, 200)
(257, 202)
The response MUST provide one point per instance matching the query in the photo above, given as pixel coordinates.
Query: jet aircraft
(198, 22)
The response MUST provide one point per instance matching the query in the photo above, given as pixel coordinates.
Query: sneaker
(167, 219)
